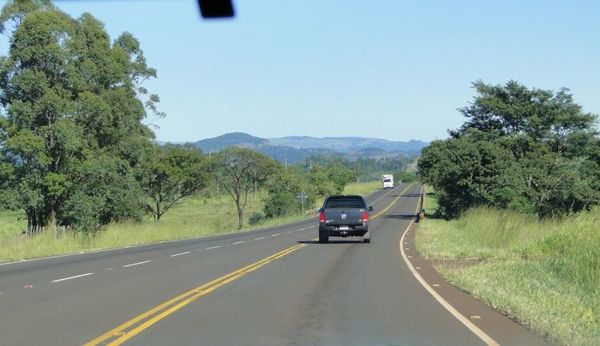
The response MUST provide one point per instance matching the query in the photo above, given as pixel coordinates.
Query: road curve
(275, 286)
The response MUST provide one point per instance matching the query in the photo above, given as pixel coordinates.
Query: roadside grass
(195, 216)
(11, 223)
(362, 189)
(431, 203)
(544, 274)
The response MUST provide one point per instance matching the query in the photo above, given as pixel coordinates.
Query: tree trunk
(157, 215)
(52, 219)
(240, 211)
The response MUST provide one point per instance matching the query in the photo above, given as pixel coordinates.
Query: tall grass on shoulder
(195, 216)
(546, 274)
(430, 204)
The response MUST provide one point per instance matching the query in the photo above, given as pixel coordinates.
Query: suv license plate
(344, 228)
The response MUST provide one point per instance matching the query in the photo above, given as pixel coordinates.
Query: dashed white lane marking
(179, 254)
(72, 277)
(275, 235)
(259, 238)
(136, 264)
(239, 242)
(213, 247)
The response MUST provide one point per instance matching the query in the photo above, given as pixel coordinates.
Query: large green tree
(169, 174)
(240, 170)
(523, 148)
(283, 192)
(72, 111)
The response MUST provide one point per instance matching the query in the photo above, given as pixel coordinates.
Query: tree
(283, 190)
(169, 174)
(14, 11)
(239, 170)
(467, 173)
(8, 196)
(513, 110)
(320, 181)
(339, 175)
(70, 96)
(527, 149)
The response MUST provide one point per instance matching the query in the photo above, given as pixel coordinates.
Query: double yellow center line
(136, 325)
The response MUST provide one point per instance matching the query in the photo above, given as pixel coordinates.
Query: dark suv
(344, 216)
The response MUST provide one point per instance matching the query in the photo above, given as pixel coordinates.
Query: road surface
(275, 286)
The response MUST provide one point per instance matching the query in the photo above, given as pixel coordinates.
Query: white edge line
(472, 327)
(72, 277)
(136, 264)
(179, 254)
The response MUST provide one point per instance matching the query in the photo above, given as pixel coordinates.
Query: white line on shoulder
(472, 327)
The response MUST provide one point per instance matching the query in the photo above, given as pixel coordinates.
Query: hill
(348, 144)
(297, 148)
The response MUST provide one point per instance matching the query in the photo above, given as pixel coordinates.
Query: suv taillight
(322, 217)
(365, 216)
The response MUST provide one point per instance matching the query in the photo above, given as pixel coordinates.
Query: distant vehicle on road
(344, 216)
(388, 181)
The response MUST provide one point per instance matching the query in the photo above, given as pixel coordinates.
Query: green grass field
(362, 188)
(194, 217)
(544, 274)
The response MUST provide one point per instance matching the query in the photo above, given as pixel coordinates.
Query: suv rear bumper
(352, 231)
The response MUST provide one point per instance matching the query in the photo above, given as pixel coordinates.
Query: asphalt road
(275, 286)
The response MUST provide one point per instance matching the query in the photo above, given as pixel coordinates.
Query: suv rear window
(345, 202)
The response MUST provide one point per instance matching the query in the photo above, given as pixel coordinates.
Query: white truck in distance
(388, 181)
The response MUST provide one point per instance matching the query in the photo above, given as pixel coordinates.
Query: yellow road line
(488, 340)
(174, 304)
(391, 204)
(136, 325)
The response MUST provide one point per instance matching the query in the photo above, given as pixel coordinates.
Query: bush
(256, 218)
(282, 198)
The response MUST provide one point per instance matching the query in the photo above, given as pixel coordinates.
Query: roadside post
(422, 213)
(302, 197)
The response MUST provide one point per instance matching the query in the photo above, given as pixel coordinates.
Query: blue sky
(389, 69)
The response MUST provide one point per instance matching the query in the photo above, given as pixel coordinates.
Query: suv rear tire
(323, 238)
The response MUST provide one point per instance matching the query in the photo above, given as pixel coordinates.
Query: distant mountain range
(298, 148)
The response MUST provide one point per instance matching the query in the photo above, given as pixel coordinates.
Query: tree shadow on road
(400, 216)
